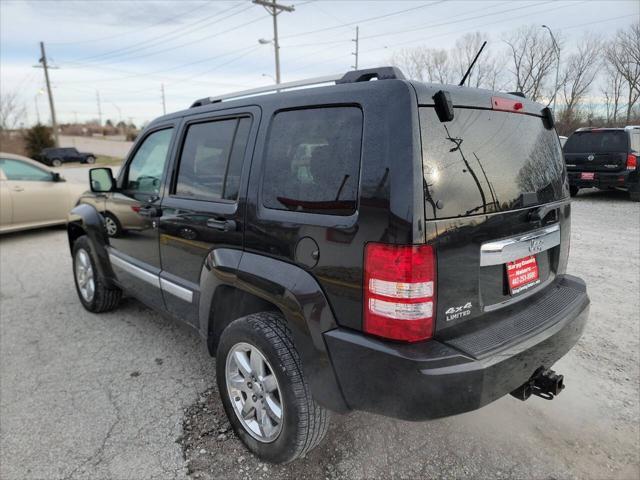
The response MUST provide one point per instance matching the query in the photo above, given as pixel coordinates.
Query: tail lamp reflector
(399, 291)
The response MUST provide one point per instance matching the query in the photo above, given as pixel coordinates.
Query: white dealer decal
(454, 313)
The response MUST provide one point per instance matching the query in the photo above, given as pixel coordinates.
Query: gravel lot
(128, 395)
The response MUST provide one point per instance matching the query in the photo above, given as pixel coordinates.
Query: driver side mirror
(56, 177)
(101, 180)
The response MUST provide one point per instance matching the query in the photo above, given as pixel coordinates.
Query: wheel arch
(84, 219)
(235, 284)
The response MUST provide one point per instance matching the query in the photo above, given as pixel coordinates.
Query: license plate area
(587, 176)
(522, 274)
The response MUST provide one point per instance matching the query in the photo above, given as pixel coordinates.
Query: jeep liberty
(344, 244)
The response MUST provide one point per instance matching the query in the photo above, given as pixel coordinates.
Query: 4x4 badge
(454, 313)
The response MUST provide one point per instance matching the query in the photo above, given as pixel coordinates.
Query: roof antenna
(464, 79)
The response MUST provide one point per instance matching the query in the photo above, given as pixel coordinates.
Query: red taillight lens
(632, 162)
(399, 291)
(506, 104)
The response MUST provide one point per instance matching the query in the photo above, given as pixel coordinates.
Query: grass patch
(105, 161)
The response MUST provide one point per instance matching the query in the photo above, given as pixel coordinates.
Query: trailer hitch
(544, 383)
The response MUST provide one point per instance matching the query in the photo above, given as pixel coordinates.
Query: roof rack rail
(380, 73)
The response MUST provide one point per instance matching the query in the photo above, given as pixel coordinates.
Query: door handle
(150, 211)
(221, 224)
(18, 189)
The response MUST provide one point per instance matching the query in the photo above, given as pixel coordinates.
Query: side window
(146, 167)
(211, 159)
(22, 171)
(313, 160)
(635, 140)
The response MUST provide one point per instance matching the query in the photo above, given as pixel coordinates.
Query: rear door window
(211, 159)
(488, 161)
(312, 161)
(597, 141)
(635, 140)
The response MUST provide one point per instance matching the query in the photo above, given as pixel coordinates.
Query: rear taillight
(632, 162)
(399, 291)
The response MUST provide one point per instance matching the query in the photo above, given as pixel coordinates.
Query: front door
(202, 209)
(135, 206)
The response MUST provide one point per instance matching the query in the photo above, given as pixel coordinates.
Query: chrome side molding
(165, 285)
(134, 270)
(510, 249)
(176, 290)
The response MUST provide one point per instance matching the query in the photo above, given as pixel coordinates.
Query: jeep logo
(590, 158)
(536, 245)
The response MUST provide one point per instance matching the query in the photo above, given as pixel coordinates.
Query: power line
(159, 39)
(173, 18)
(370, 19)
(146, 74)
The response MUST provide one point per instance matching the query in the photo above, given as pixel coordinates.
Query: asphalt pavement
(113, 396)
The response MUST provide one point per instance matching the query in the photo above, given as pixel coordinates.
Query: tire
(56, 162)
(103, 298)
(303, 423)
(573, 191)
(90, 159)
(112, 225)
(634, 196)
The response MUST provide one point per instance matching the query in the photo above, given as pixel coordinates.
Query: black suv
(389, 246)
(57, 156)
(606, 158)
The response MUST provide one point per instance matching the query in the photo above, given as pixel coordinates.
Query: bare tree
(533, 58)
(12, 110)
(580, 71)
(425, 64)
(612, 92)
(623, 56)
(487, 72)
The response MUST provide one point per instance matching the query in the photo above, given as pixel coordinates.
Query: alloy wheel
(111, 226)
(254, 392)
(84, 275)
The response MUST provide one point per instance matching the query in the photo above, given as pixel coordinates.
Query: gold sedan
(32, 195)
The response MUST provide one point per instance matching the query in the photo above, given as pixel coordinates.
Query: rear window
(313, 161)
(599, 141)
(487, 161)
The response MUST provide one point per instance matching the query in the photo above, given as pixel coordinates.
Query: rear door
(597, 150)
(495, 202)
(202, 208)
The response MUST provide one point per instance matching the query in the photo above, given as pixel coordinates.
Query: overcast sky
(127, 49)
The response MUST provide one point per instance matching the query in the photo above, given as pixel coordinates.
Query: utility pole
(164, 104)
(99, 107)
(357, 41)
(274, 9)
(45, 67)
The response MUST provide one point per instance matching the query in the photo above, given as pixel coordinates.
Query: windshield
(488, 161)
(597, 141)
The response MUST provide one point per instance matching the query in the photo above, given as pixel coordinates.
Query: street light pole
(274, 9)
(557, 49)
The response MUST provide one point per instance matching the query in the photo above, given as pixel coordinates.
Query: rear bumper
(628, 179)
(433, 379)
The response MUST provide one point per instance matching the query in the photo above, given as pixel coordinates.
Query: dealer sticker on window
(522, 274)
